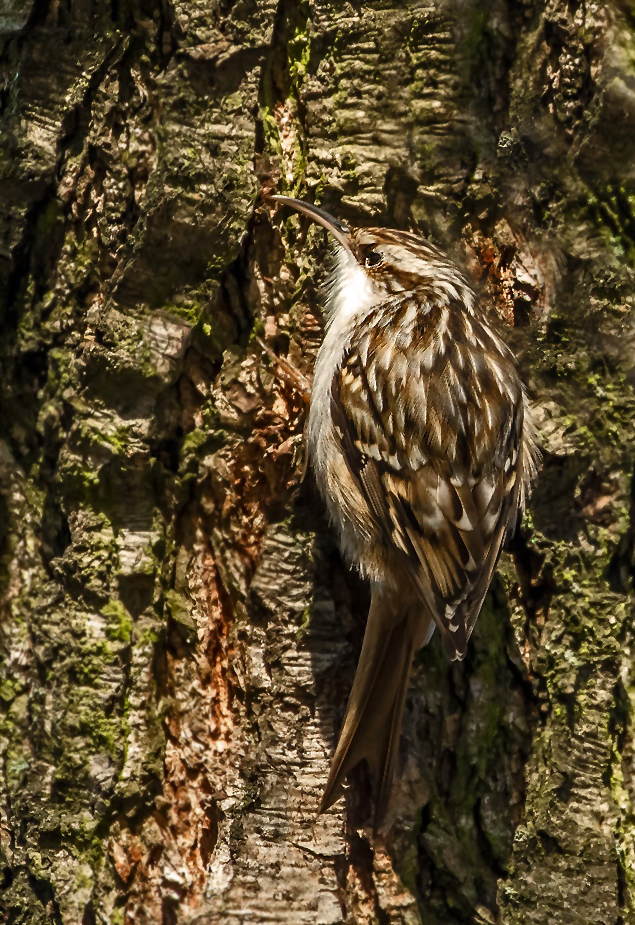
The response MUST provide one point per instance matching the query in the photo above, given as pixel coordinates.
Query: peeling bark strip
(178, 636)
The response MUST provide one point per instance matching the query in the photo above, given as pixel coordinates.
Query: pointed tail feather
(387, 752)
(372, 723)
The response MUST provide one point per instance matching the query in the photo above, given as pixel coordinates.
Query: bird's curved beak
(340, 231)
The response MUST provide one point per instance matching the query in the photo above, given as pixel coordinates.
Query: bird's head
(391, 261)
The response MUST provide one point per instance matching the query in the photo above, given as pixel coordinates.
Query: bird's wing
(429, 407)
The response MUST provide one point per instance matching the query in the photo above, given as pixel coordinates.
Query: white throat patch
(349, 290)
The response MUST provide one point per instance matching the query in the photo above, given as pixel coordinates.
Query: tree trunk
(178, 633)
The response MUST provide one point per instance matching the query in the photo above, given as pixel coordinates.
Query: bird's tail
(372, 723)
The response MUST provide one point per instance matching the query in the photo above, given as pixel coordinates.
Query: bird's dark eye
(372, 258)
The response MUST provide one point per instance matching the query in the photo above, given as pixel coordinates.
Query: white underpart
(350, 296)
(350, 290)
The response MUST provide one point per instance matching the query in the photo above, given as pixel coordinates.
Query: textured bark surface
(178, 635)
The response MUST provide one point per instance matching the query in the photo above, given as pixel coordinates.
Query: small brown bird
(423, 447)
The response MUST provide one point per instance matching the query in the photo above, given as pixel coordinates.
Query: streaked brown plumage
(423, 448)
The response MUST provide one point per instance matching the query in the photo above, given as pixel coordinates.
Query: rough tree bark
(178, 634)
